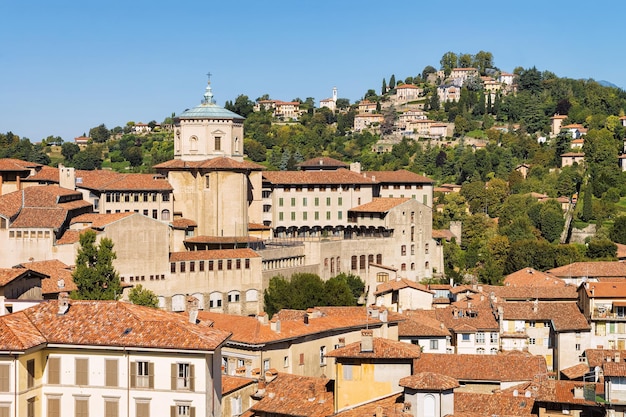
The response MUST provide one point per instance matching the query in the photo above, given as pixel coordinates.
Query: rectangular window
(110, 378)
(81, 407)
(317, 201)
(494, 338)
(218, 143)
(577, 347)
(347, 372)
(183, 375)
(143, 377)
(142, 408)
(238, 264)
(266, 365)
(111, 408)
(192, 266)
(220, 264)
(54, 407)
(201, 266)
(173, 267)
(229, 264)
(480, 337)
(210, 265)
(183, 267)
(5, 375)
(293, 215)
(328, 215)
(434, 344)
(82, 371)
(30, 407)
(155, 214)
(403, 250)
(286, 362)
(465, 337)
(322, 355)
(531, 341)
(247, 262)
(293, 201)
(304, 216)
(328, 201)
(304, 202)
(317, 215)
(339, 201)
(301, 359)
(280, 216)
(280, 202)
(30, 370)
(182, 410)
(339, 215)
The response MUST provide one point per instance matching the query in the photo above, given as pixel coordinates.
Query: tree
(601, 249)
(448, 61)
(68, 150)
(243, 106)
(392, 82)
(99, 134)
(383, 89)
(134, 155)
(143, 297)
(483, 61)
(618, 231)
(428, 69)
(465, 60)
(94, 276)
(89, 158)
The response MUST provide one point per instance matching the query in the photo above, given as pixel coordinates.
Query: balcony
(607, 315)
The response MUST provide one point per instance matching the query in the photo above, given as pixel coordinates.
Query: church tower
(213, 185)
(208, 131)
(335, 94)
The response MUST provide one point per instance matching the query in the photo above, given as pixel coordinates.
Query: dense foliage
(309, 290)
(95, 275)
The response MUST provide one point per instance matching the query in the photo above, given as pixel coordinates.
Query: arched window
(382, 277)
(430, 406)
(412, 266)
(353, 262)
(252, 295)
(165, 214)
(215, 300)
(178, 302)
(370, 259)
(362, 262)
(332, 265)
(427, 265)
(193, 144)
(233, 297)
(379, 259)
(338, 264)
(403, 267)
(480, 351)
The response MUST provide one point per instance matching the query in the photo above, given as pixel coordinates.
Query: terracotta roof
(572, 154)
(606, 289)
(250, 330)
(214, 164)
(400, 284)
(468, 319)
(563, 392)
(529, 277)
(182, 223)
(476, 404)
(100, 221)
(469, 367)
(390, 406)
(45, 174)
(223, 239)
(323, 161)
(57, 272)
(429, 381)
(614, 369)
(338, 176)
(576, 371)
(410, 86)
(46, 217)
(233, 383)
(106, 323)
(565, 316)
(8, 275)
(135, 182)
(10, 204)
(294, 395)
(11, 164)
(70, 236)
(401, 176)
(422, 323)
(383, 349)
(258, 226)
(597, 357)
(380, 205)
(213, 254)
(531, 293)
(590, 269)
(442, 234)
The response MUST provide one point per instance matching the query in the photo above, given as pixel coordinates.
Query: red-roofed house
(604, 305)
(403, 294)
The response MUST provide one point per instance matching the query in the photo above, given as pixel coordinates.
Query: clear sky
(67, 66)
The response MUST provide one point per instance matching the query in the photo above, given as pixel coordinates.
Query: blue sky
(68, 66)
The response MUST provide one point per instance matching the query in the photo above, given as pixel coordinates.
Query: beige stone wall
(195, 140)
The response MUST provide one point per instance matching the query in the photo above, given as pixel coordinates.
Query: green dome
(208, 109)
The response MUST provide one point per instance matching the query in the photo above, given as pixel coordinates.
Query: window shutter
(173, 411)
(54, 370)
(5, 411)
(192, 377)
(192, 411)
(54, 407)
(5, 372)
(150, 374)
(110, 373)
(133, 374)
(174, 376)
(82, 371)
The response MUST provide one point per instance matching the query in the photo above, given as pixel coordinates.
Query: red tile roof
(597, 357)
(213, 254)
(57, 273)
(467, 319)
(576, 371)
(401, 176)
(429, 381)
(389, 406)
(529, 277)
(606, 289)
(250, 330)
(233, 383)
(99, 221)
(380, 205)
(422, 323)
(487, 368)
(294, 395)
(11, 164)
(383, 349)
(46, 174)
(555, 293)
(614, 369)
(398, 284)
(339, 176)
(47, 217)
(182, 223)
(565, 316)
(215, 164)
(443, 234)
(223, 239)
(8, 275)
(106, 323)
(476, 404)
(590, 269)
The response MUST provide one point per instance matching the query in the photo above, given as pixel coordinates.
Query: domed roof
(208, 109)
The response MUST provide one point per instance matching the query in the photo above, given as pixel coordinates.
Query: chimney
(192, 309)
(535, 305)
(367, 340)
(579, 392)
(275, 325)
(262, 317)
(67, 178)
(355, 167)
(63, 303)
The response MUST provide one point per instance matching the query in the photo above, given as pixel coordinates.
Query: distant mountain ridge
(605, 83)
